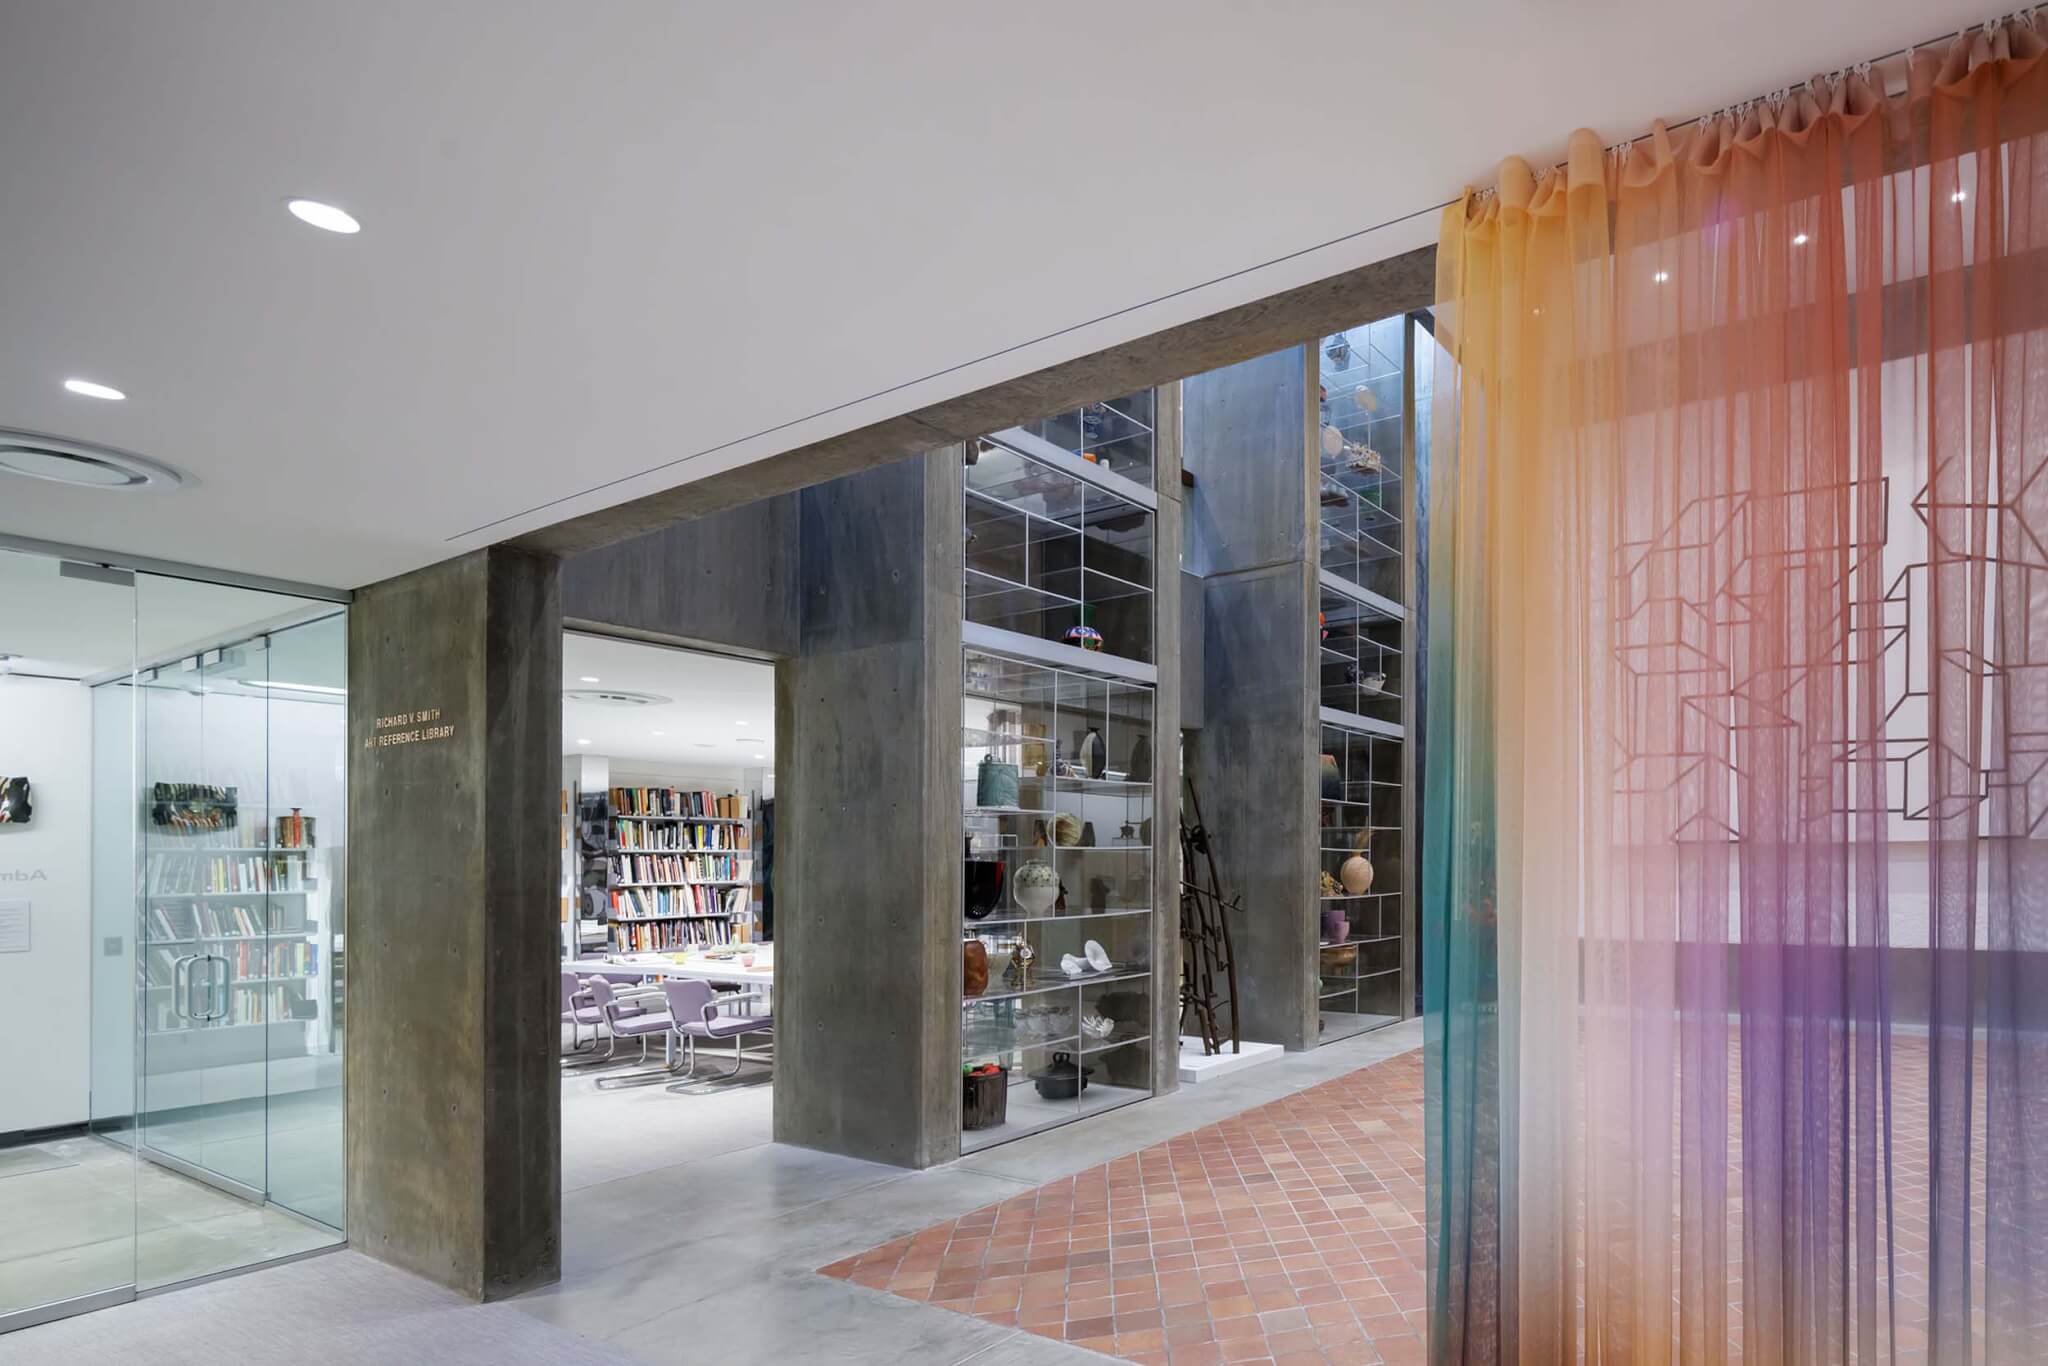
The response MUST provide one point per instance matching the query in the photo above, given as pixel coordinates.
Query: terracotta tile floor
(1290, 1234)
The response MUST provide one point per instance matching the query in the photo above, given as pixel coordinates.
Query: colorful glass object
(1085, 637)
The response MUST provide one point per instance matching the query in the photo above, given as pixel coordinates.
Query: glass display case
(1360, 654)
(1056, 926)
(1360, 908)
(1054, 555)
(1362, 465)
(1118, 435)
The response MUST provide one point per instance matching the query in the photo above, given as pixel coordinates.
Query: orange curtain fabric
(1736, 894)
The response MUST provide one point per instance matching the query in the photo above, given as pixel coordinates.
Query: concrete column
(1169, 653)
(1249, 520)
(454, 1101)
(868, 855)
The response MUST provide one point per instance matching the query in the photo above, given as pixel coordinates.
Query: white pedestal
(1195, 1068)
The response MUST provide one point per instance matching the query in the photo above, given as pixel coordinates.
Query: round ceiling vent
(64, 461)
(615, 697)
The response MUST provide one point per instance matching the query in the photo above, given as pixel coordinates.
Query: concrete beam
(1291, 318)
(454, 1099)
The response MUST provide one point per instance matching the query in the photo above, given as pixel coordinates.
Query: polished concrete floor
(80, 1215)
(688, 1236)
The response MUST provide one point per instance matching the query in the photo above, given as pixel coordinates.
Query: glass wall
(185, 745)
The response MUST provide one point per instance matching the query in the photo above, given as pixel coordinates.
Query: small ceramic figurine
(1018, 974)
(1098, 957)
(1373, 683)
(1333, 441)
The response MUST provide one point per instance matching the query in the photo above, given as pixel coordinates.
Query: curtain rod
(2028, 13)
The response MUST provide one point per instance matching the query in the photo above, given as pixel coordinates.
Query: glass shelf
(1051, 799)
(1361, 460)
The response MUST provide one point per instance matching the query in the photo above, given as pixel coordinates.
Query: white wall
(46, 736)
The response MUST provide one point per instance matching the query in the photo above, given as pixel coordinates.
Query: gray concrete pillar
(1248, 523)
(454, 1101)
(868, 853)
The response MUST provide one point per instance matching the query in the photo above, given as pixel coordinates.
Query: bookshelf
(673, 867)
(249, 912)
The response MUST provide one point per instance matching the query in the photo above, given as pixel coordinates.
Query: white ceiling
(609, 248)
(721, 712)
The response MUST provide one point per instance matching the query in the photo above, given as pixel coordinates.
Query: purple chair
(578, 1009)
(693, 1006)
(627, 1021)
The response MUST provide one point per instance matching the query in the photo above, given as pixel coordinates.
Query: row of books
(671, 801)
(647, 903)
(160, 967)
(223, 873)
(672, 934)
(208, 921)
(279, 1004)
(658, 835)
(680, 868)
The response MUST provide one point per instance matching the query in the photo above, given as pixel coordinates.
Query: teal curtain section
(1461, 1003)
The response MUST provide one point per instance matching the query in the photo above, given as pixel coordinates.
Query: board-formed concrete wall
(454, 1097)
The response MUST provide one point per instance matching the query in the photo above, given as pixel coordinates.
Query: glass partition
(172, 808)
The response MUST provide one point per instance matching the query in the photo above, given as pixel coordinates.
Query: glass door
(240, 807)
(205, 926)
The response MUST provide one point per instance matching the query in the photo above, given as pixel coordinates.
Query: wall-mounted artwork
(15, 807)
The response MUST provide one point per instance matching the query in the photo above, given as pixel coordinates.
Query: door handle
(220, 976)
(181, 986)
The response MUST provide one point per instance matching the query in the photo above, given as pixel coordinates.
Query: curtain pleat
(1735, 889)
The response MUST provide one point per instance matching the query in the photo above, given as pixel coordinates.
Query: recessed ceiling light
(760, 756)
(583, 742)
(657, 732)
(94, 389)
(587, 678)
(323, 215)
(740, 723)
(63, 461)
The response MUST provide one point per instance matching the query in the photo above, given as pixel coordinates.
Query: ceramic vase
(974, 968)
(995, 783)
(1333, 780)
(1035, 887)
(1090, 755)
(1336, 929)
(1356, 874)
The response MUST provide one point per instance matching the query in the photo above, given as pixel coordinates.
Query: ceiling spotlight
(760, 756)
(1800, 239)
(324, 216)
(657, 732)
(94, 389)
(740, 723)
(587, 678)
(583, 742)
(1661, 276)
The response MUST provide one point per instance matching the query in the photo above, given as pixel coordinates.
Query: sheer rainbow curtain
(1736, 888)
